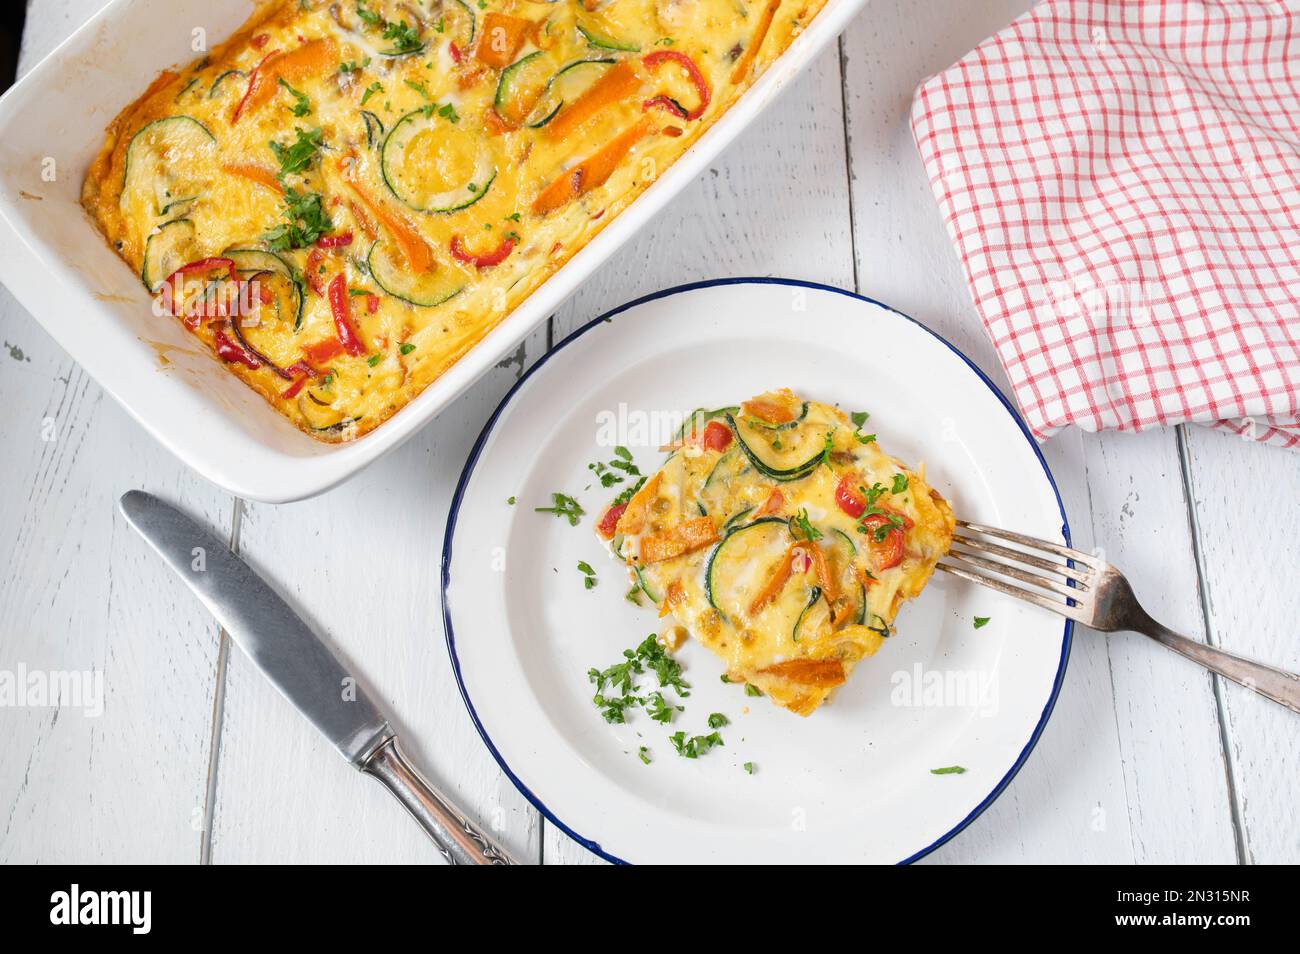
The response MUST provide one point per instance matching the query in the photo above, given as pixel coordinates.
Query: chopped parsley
(511, 501)
(802, 527)
(752, 690)
(643, 754)
(616, 690)
(420, 88)
(406, 348)
(368, 16)
(749, 768)
(352, 66)
(628, 492)
(948, 770)
(374, 359)
(299, 154)
(609, 473)
(371, 90)
(634, 595)
(562, 505)
(306, 222)
(301, 105)
(900, 484)
(405, 38)
(717, 720)
(696, 745)
(859, 418)
(981, 621)
(588, 574)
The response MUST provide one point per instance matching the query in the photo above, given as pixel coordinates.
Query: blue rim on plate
(468, 472)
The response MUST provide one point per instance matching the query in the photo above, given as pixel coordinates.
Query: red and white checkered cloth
(1122, 181)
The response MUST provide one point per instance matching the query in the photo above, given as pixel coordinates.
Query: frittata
(347, 195)
(784, 539)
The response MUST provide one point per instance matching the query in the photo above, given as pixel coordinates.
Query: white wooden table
(196, 758)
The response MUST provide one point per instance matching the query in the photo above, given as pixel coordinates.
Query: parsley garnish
(751, 690)
(371, 90)
(948, 770)
(564, 506)
(588, 574)
(419, 88)
(717, 720)
(374, 359)
(900, 484)
(643, 754)
(802, 527)
(696, 745)
(511, 501)
(307, 222)
(300, 153)
(659, 710)
(406, 347)
(369, 16)
(749, 768)
(406, 39)
(981, 621)
(859, 418)
(301, 105)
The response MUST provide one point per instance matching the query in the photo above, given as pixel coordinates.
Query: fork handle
(1276, 684)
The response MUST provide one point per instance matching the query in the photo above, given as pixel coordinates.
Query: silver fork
(1081, 587)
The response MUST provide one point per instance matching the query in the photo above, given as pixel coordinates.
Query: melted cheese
(552, 188)
(858, 517)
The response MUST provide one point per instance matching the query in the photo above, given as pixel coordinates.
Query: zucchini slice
(646, 587)
(782, 455)
(459, 23)
(522, 84)
(374, 127)
(716, 485)
(424, 291)
(287, 296)
(218, 84)
(596, 41)
(170, 246)
(568, 82)
(169, 162)
(742, 563)
(696, 420)
(432, 165)
(841, 553)
(813, 615)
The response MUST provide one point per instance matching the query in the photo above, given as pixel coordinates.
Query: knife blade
(293, 658)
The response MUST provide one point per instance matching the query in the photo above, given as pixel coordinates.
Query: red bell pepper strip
(322, 351)
(456, 54)
(302, 372)
(372, 304)
(334, 241)
(254, 80)
(339, 307)
(666, 103)
(203, 265)
(495, 257)
(227, 350)
(659, 57)
(609, 522)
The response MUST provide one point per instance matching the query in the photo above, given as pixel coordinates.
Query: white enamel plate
(852, 783)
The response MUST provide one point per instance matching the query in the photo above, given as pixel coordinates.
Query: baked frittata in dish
(784, 539)
(347, 195)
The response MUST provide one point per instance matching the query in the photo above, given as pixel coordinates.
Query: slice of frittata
(783, 539)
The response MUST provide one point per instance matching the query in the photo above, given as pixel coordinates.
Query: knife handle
(459, 840)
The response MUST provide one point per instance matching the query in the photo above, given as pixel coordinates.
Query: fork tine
(1051, 566)
(1026, 541)
(1063, 609)
(1016, 573)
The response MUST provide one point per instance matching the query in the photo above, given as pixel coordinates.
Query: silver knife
(295, 660)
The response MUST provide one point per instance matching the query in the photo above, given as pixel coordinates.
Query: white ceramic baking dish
(58, 266)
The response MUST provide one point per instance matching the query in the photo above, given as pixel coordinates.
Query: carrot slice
(410, 243)
(746, 60)
(683, 538)
(776, 582)
(501, 39)
(617, 83)
(823, 570)
(808, 672)
(258, 174)
(634, 517)
(593, 171)
(313, 58)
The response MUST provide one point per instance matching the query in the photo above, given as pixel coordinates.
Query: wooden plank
(776, 203)
(1248, 523)
(363, 564)
(1103, 783)
(79, 590)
